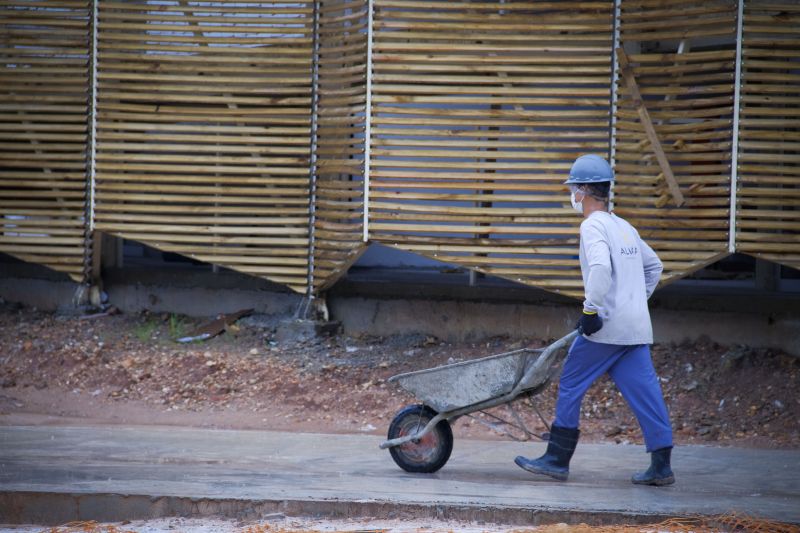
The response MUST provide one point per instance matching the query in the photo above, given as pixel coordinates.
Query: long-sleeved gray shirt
(620, 272)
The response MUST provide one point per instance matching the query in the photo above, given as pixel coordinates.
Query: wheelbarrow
(420, 438)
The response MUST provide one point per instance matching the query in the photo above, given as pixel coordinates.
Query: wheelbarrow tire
(428, 454)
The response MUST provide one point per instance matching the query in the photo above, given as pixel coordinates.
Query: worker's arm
(598, 260)
(652, 267)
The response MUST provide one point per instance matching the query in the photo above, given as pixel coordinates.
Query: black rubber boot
(555, 461)
(659, 473)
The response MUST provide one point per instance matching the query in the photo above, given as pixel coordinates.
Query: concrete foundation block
(299, 330)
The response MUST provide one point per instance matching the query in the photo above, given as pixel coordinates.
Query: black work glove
(589, 323)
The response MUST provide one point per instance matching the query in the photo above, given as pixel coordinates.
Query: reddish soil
(127, 369)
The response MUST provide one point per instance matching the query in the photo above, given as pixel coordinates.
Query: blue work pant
(632, 370)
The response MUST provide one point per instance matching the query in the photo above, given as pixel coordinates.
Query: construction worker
(620, 272)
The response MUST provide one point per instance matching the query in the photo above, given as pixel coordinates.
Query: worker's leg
(637, 381)
(585, 362)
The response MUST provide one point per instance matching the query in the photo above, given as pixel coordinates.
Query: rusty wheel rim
(422, 450)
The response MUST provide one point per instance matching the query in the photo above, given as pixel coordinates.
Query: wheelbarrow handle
(537, 373)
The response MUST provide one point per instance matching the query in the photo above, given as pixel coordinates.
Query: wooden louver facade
(203, 131)
(687, 87)
(768, 192)
(479, 109)
(340, 140)
(279, 139)
(44, 123)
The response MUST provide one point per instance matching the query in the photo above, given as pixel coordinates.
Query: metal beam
(612, 141)
(312, 203)
(368, 119)
(91, 252)
(737, 89)
(93, 117)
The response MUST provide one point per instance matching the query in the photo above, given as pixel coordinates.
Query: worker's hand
(589, 323)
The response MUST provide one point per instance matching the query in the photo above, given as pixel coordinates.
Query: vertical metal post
(93, 118)
(368, 120)
(612, 141)
(312, 203)
(737, 89)
(90, 264)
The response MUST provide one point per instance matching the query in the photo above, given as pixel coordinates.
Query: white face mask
(576, 205)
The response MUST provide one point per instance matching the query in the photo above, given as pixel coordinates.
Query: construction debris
(109, 312)
(215, 327)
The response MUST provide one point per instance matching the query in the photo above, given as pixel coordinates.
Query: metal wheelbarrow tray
(450, 391)
(450, 387)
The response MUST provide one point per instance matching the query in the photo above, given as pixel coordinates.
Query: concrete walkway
(56, 474)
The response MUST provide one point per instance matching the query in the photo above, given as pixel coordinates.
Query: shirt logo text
(628, 251)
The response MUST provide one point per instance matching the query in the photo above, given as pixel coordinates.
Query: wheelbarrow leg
(539, 413)
(555, 461)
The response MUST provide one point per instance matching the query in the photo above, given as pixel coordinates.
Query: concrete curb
(55, 508)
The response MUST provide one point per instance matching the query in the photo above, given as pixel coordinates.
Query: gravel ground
(278, 525)
(284, 524)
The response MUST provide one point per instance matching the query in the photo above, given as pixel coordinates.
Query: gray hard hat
(590, 169)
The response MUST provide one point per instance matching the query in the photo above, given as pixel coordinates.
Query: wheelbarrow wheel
(427, 454)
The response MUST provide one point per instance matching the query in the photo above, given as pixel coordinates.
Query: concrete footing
(398, 304)
(473, 321)
(51, 509)
(299, 330)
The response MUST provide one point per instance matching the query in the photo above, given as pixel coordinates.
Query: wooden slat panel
(479, 109)
(768, 196)
(689, 96)
(204, 131)
(44, 87)
(339, 212)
